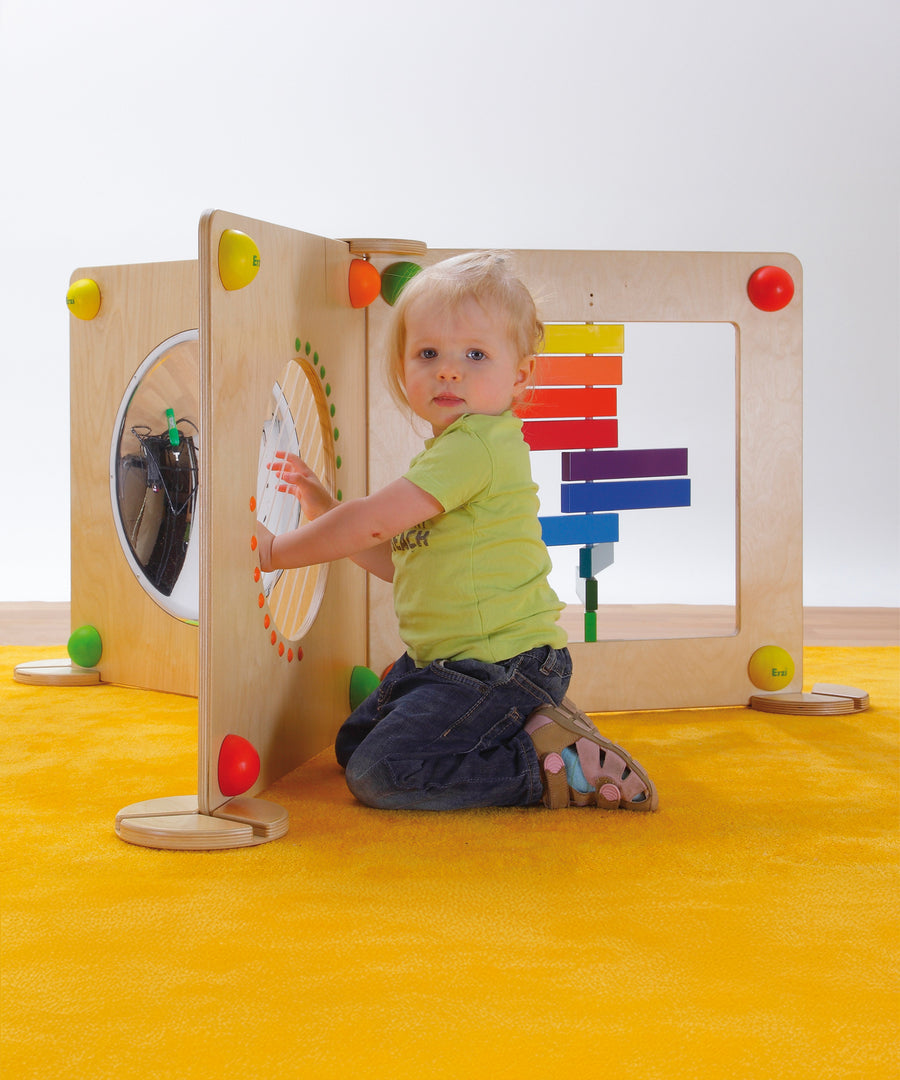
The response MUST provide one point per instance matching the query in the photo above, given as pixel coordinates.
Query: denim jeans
(450, 736)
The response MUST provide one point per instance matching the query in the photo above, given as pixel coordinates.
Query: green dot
(338, 461)
(297, 345)
(340, 495)
(322, 372)
(328, 389)
(337, 434)
(308, 348)
(315, 358)
(333, 410)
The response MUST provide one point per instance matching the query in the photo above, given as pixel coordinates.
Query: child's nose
(448, 371)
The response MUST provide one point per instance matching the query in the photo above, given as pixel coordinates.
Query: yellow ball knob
(83, 298)
(238, 259)
(770, 668)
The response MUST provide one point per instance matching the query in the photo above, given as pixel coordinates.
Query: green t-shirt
(471, 583)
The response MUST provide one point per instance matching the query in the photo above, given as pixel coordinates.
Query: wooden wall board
(141, 307)
(625, 287)
(287, 709)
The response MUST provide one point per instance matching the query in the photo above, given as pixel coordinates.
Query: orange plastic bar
(578, 371)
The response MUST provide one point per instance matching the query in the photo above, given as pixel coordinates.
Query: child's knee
(370, 785)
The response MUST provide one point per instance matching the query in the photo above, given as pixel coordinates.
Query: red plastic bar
(551, 402)
(570, 434)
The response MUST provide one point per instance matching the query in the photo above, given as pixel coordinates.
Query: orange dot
(290, 655)
(299, 653)
(257, 574)
(253, 543)
(274, 637)
(266, 622)
(252, 504)
(261, 601)
(281, 648)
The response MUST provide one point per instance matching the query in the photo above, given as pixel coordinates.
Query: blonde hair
(485, 276)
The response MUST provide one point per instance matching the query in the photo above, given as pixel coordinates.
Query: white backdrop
(698, 125)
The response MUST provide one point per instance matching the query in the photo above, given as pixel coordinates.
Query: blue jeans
(450, 736)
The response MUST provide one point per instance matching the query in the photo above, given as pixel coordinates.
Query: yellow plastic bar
(584, 338)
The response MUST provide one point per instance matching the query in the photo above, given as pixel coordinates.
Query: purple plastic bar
(624, 495)
(623, 464)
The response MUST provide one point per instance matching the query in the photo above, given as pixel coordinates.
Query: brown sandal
(619, 782)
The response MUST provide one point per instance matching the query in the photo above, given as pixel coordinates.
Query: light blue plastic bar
(591, 560)
(580, 529)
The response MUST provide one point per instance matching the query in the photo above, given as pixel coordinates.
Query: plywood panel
(141, 307)
(622, 287)
(286, 697)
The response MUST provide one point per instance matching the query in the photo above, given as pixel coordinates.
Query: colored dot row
(283, 650)
(307, 349)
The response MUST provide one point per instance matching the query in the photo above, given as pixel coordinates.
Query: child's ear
(525, 373)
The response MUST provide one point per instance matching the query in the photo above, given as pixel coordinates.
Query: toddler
(474, 713)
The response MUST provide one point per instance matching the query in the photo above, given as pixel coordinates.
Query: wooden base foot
(176, 824)
(826, 699)
(55, 673)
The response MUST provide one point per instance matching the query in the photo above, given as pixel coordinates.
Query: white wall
(702, 124)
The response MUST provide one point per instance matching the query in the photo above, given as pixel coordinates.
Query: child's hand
(264, 541)
(299, 479)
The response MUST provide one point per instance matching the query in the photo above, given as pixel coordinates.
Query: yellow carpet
(749, 929)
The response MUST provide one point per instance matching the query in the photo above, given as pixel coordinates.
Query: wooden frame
(142, 306)
(623, 287)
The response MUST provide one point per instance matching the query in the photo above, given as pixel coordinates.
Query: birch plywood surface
(622, 287)
(286, 697)
(141, 307)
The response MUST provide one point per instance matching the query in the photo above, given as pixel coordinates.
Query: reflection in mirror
(666, 481)
(154, 475)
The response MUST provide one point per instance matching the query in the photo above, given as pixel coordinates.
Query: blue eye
(476, 354)
(428, 354)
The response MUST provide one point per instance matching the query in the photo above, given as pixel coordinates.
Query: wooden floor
(26, 623)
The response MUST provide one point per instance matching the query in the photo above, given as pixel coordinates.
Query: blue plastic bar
(624, 495)
(580, 529)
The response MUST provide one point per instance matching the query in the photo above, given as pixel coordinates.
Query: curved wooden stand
(825, 699)
(176, 824)
(55, 673)
(360, 246)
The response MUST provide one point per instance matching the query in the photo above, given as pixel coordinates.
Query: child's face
(459, 362)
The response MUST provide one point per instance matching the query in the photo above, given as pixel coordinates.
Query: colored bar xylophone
(573, 409)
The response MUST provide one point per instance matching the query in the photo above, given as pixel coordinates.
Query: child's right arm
(299, 480)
